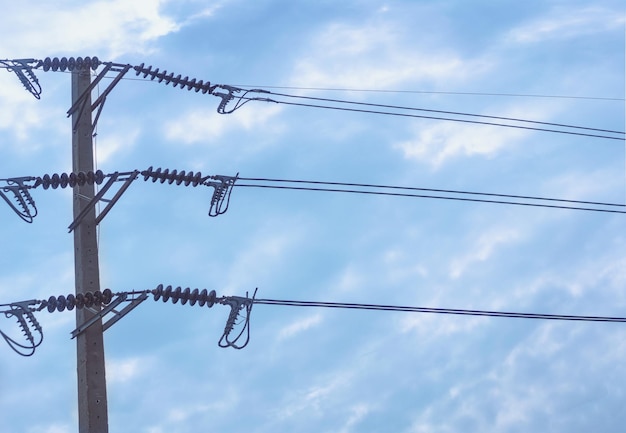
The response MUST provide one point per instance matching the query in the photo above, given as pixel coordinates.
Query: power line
(379, 307)
(339, 89)
(475, 122)
(448, 112)
(332, 185)
(242, 99)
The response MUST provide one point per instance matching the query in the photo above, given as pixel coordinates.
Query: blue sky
(321, 370)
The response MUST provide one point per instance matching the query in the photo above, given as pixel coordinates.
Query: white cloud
(109, 145)
(430, 327)
(125, 370)
(484, 248)
(438, 142)
(374, 55)
(299, 326)
(568, 23)
(54, 428)
(358, 412)
(206, 125)
(25, 115)
(312, 399)
(103, 26)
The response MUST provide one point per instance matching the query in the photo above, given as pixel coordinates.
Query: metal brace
(134, 301)
(81, 101)
(127, 177)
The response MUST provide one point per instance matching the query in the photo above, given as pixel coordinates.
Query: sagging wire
(417, 192)
(460, 116)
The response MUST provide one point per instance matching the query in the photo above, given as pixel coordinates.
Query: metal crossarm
(127, 178)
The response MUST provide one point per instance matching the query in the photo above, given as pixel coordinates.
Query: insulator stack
(191, 178)
(175, 80)
(195, 296)
(69, 64)
(64, 180)
(80, 300)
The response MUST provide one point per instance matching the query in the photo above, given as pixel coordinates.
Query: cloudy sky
(328, 370)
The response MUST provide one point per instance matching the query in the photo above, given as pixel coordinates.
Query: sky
(314, 369)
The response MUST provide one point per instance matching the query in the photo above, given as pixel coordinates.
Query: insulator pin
(69, 64)
(185, 295)
(64, 180)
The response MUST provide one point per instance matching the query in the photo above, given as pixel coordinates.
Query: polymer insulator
(185, 295)
(64, 180)
(162, 175)
(69, 64)
(197, 85)
(80, 300)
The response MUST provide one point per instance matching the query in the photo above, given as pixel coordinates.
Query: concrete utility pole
(92, 395)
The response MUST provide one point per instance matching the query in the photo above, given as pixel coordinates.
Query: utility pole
(92, 395)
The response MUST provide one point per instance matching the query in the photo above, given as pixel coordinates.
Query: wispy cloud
(569, 23)
(374, 55)
(125, 370)
(436, 143)
(109, 146)
(299, 326)
(483, 248)
(105, 26)
(207, 126)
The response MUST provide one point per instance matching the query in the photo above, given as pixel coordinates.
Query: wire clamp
(221, 195)
(30, 327)
(25, 207)
(238, 305)
(23, 68)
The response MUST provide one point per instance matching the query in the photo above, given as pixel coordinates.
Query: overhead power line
(379, 307)
(24, 69)
(420, 116)
(16, 191)
(457, 195)
(456, 113)
(429, 92)
(109, 306)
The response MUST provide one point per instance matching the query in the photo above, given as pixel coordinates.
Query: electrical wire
(378, 307)
(339, 89)
(338, 101)
(330, 187)
(456, 113)
(419, 116)
(427, 92)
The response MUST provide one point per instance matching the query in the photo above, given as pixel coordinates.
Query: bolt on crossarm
(92, 395)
